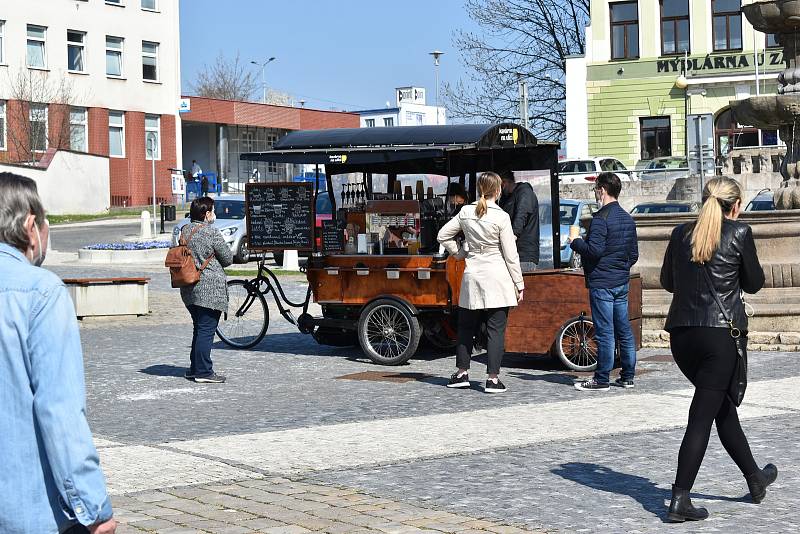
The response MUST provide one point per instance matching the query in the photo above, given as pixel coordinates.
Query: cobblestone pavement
(311, 438)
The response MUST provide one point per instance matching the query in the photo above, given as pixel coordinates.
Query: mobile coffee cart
(376, 270)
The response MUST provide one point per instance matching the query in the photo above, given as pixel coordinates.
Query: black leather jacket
(733, 268)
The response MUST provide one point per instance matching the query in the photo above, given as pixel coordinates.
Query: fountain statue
(781, 111)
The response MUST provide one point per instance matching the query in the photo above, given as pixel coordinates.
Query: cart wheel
(388, 333)
(575, 345)
(247, 320)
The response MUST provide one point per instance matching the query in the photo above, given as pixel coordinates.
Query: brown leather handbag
(182, 270)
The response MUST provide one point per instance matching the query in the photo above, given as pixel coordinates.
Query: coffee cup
(574, 232)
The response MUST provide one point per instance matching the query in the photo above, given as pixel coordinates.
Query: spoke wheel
(388, 333)
(575, 345)
(247, 320)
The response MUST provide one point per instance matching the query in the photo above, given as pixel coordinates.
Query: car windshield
(229, 209)
(661, 208)
(566, 215)
(323, 204)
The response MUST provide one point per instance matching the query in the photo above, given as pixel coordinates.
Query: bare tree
(38, 113)
(528, 39)
(226, 79)
(279, 98)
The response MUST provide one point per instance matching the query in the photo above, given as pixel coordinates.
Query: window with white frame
(150, 61)
(36, 56)
(75, 51)
(114, 2)
(2, 125)
(370, 123)
(37, 121)
(2, 42)
(150, 5)
(114, 55)
(116, 134)
(388, 121)
(152, 137)
(78, 125)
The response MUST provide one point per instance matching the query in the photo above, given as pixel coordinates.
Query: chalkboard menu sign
(331, 237)
(280, 216)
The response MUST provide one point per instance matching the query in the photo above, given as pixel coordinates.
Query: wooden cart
(387, 302)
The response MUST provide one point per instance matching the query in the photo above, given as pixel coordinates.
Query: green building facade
(651, 64)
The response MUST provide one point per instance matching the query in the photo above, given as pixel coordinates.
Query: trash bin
(169, 212)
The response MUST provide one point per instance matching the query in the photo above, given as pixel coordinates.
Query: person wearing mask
(492, 282)
(456, 195)
(522, 206)
(714, 254)
(207, 299)
(51, 479)
(607, 255)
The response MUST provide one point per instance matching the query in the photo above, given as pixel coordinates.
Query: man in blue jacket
(607, 254)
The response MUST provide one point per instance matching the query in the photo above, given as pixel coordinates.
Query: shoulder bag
(738, 385)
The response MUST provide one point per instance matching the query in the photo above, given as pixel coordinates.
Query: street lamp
(436, 55)
(263, 79)
(151, 137)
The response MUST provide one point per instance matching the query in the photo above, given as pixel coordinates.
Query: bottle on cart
(344, 196)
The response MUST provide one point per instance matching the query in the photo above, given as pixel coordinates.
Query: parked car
(570, 213)
(582, 170)
(666, 168)
(667, 206)
(230, 222)
(764, 201)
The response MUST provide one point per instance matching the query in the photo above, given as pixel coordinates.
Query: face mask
(40, 258)
(211, 218)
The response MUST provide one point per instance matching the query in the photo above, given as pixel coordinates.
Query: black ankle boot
(681, 508)
(758, 482)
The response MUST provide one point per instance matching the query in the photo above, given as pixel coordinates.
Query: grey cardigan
(212, 290)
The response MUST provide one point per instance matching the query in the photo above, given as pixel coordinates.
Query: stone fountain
(781, 111)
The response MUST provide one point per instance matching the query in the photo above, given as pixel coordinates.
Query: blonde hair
(719, 197)
(489, 185)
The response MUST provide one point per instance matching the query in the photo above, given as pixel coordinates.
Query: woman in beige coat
(492, 281)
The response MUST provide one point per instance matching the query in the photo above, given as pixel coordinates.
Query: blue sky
(347, 54)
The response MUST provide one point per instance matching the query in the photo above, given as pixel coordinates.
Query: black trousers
(468, 323)
(706, 356)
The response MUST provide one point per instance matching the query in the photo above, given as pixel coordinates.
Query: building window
(727, 25)
(75, 51)
(388, 121)
(152, 137)
(414, 119)
(674, 26)
(2, 125)
(36, 56)
(149, 5)
(624, 30)
(370, 123)
(116, 134)
(114, 56)
(655, 137)
(150, 61)
(37, 116)
(114, 2)
(78, 125)
(2, 42)
(772, 41)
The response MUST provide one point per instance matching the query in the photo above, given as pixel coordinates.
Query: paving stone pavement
(301, 440)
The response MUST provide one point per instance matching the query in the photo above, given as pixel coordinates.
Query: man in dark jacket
(607, 254)
(521, 204)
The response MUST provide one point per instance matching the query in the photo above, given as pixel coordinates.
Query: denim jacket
(50, 476)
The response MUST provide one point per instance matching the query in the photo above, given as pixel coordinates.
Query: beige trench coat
(493, 276)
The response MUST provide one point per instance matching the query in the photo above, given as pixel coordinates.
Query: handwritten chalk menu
(280, 216)
(331, 237)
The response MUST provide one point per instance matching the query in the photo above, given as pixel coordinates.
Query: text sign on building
(184, 105)
(411, 95)
(736, 61)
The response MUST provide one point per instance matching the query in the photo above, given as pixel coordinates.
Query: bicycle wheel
(575, 345)
(247, 320)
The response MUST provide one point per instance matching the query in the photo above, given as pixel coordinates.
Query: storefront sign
(337, 158)
(737, 61)
(509, 135)
(411, 95)
(184, 105)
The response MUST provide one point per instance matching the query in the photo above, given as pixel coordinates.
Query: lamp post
(151, 137)
(263, 79)
(682, 83)
(436, 55)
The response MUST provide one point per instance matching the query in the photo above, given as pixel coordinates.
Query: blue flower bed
(142, 245)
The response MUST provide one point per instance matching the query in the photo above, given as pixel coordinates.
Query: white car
(231, 223)
(584, 170)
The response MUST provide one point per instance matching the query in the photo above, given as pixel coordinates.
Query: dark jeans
(468, 323)
(205, 322)
(611, 326)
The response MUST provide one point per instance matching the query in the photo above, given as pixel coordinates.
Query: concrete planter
(109, 296)
(153, 255)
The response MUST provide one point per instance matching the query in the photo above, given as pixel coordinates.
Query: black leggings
(698, 350)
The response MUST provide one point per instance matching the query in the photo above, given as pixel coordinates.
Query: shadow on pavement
(164, 369)
(652, 498)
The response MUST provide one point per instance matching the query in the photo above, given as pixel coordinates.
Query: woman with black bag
(707, 265)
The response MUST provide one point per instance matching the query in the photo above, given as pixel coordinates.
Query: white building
(410, 110)
(119, 61)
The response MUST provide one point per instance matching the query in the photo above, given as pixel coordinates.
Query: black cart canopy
(449, 150)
